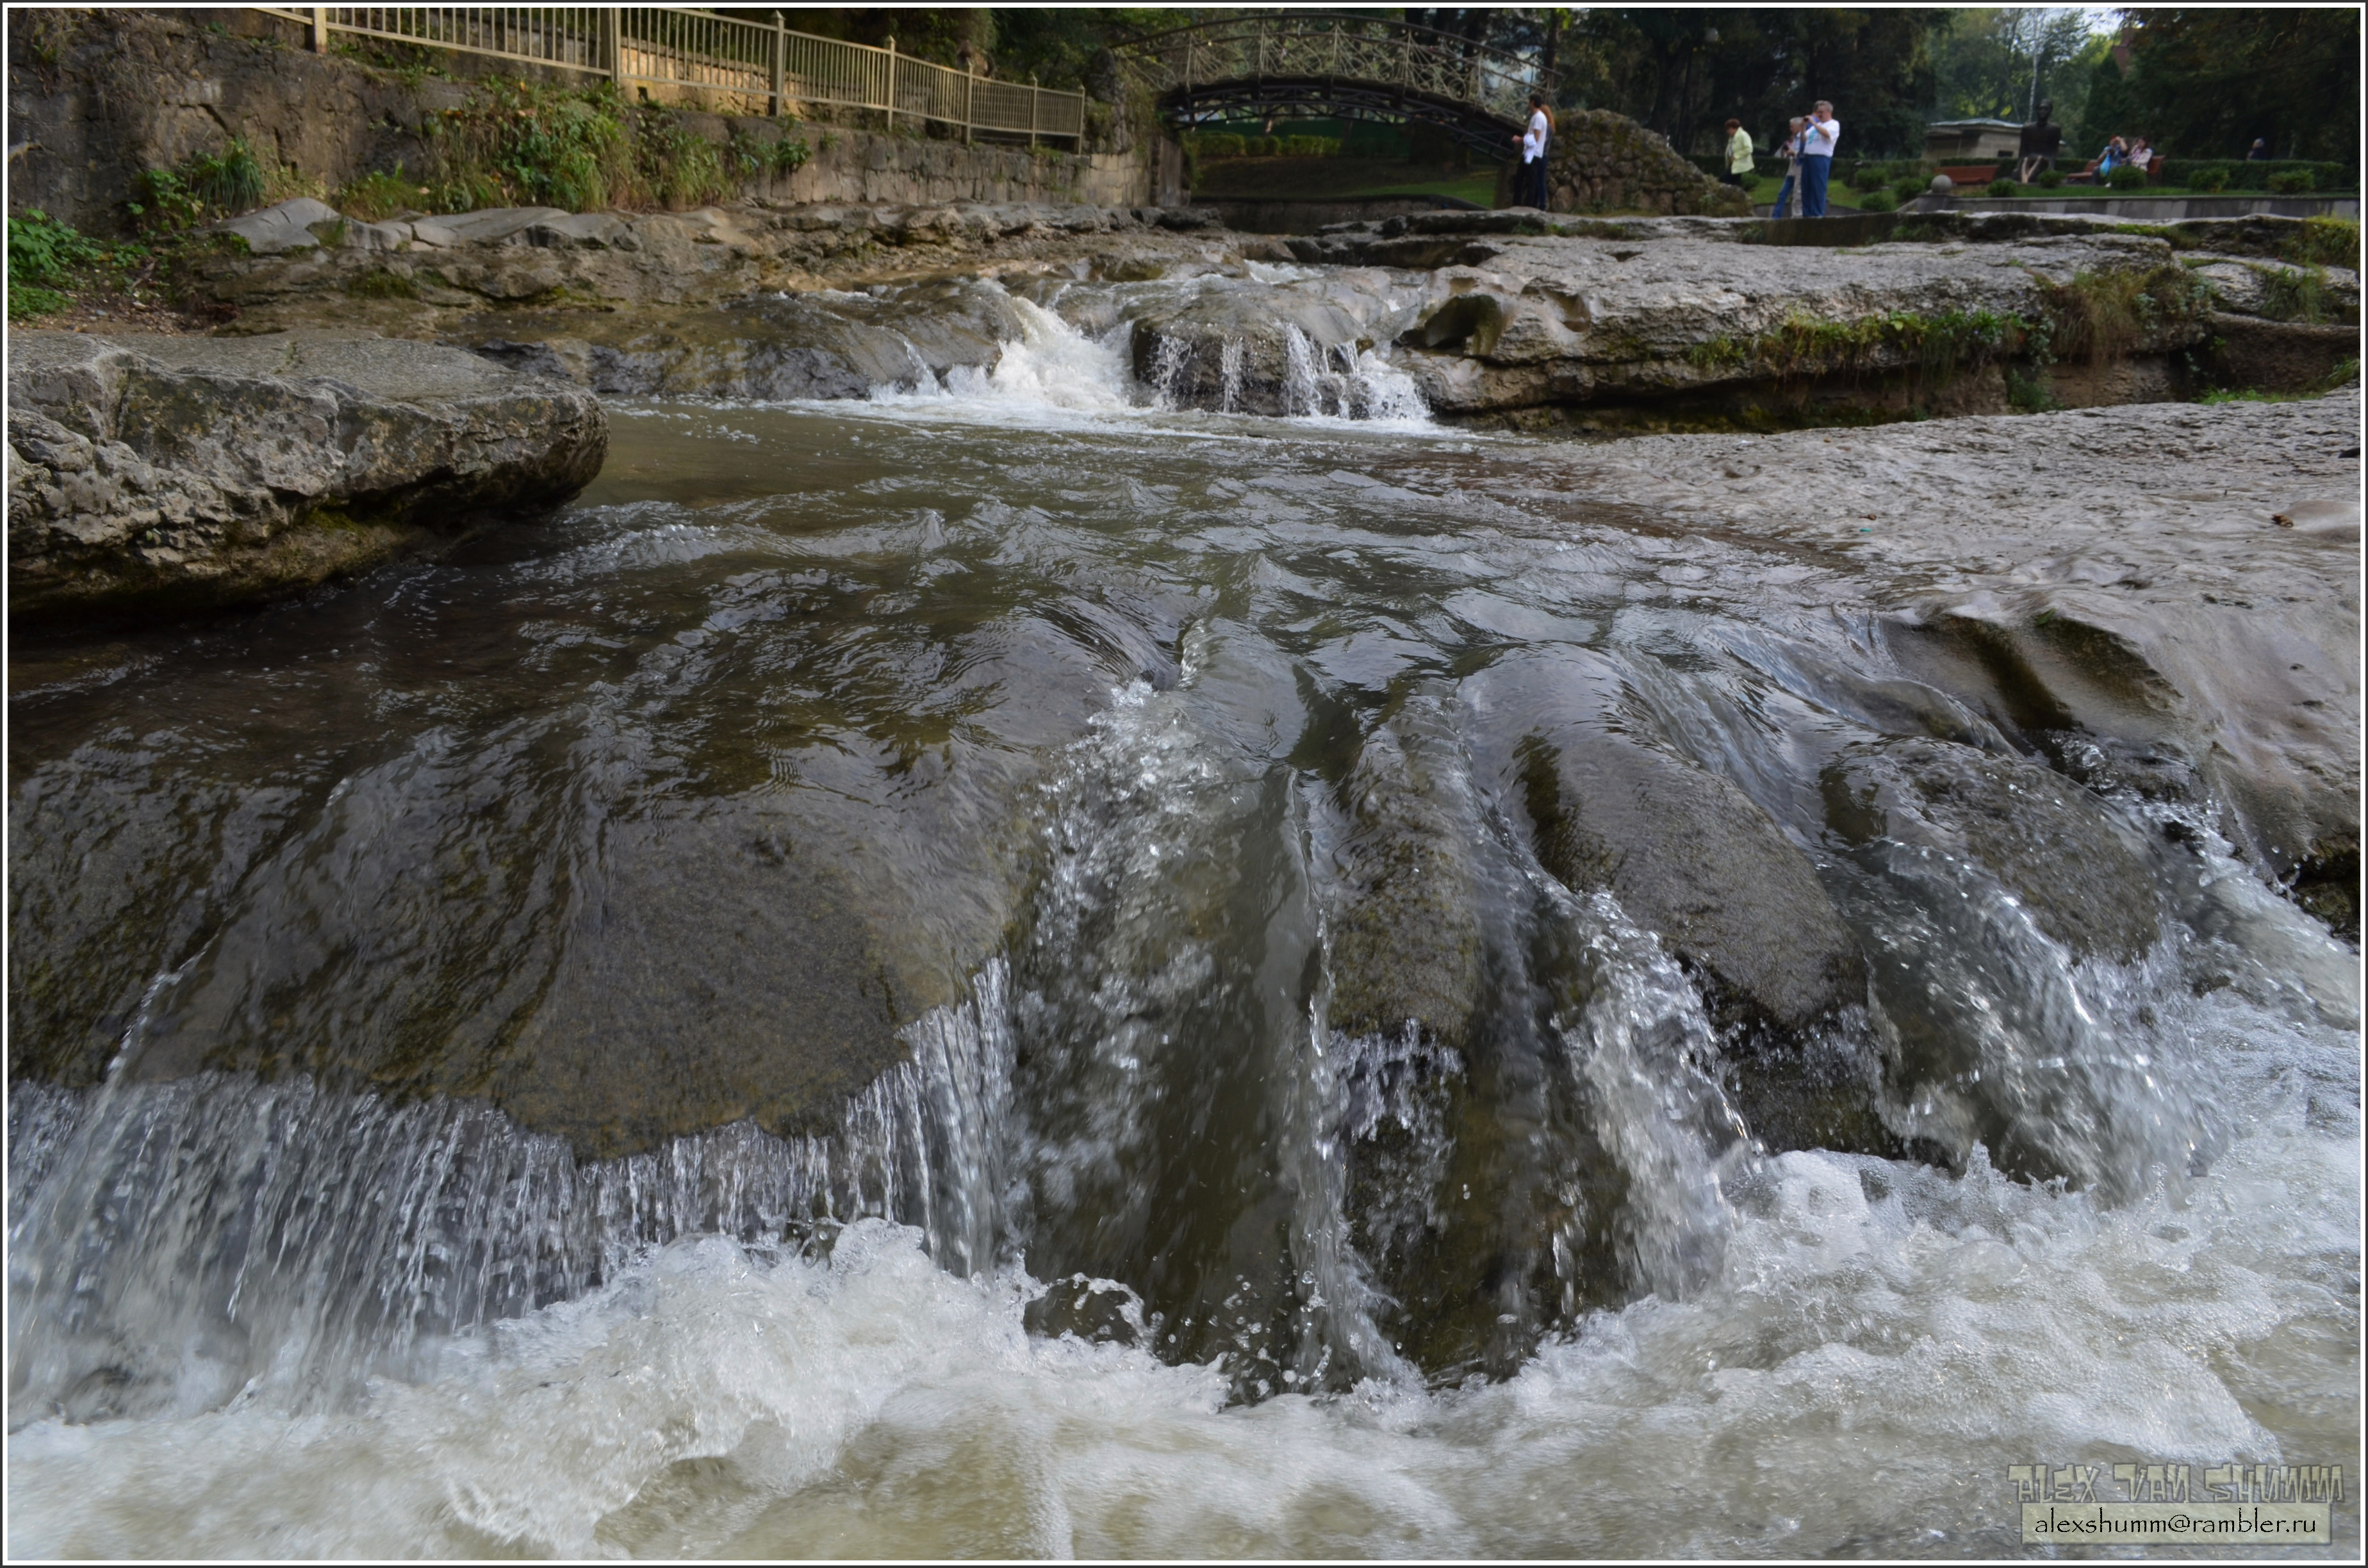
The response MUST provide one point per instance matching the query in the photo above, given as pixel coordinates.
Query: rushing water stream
(823, 1003)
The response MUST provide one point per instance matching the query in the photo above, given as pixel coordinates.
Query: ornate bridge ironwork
(1317, 64)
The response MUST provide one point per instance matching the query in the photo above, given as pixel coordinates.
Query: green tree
(1996, 65)
(2206, 83)
(1683, 73)
(2111, 107)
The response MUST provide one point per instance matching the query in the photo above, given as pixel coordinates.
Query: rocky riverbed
(1069, 857)
(1506, 317)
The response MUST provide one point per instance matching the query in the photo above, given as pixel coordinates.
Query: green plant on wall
(585, 149)
(203, 185)
(677, 167)
(2324, 242)
(2297, 294)
(520, 142)
(378, 196)
(2101, 316)
(750, 158)
(230, 180)
(43, 256)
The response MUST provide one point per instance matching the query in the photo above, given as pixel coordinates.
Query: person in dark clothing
(2259, 151)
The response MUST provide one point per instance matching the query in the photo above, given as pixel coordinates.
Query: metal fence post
(1033, 93)
(780, 46)
(320, 30)
(970, 92)
(892, 83)
(612, 41)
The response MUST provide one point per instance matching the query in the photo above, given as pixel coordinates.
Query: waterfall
(177, 1244)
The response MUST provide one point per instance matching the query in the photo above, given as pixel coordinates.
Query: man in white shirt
(1530, 188)
(1818, 139)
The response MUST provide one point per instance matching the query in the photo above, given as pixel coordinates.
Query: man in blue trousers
(1818, 138)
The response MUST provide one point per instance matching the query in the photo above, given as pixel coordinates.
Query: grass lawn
(1764, 188)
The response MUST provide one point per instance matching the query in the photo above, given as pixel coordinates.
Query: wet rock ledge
(154, 475)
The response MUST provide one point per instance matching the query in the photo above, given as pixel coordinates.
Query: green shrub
(1218, 144)
(2049, 179)
(2102, 316)
(2288, 294)
(163, 204)
(677, 167)
(2127, 178)
(200, 186)
(382, 286)
(2241, 175)
(2325, 242)
(380, 195)
(2292, 182)
(1877, 201)
(43, 256)
(515, 144)
(2208, 179)
(1910, 187)
(230, 180)
(2003, 186)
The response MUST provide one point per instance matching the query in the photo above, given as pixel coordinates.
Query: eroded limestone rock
(2072, 865)
(196, 472)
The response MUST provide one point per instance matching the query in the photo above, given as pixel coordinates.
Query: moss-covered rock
(1603, 162)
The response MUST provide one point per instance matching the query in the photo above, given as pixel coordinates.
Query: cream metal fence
(669, 54)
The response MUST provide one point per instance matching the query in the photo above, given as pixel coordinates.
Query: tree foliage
(1684, 73)
(2206, 83)
(1996, 63)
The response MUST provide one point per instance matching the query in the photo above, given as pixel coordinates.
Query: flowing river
(990, 970)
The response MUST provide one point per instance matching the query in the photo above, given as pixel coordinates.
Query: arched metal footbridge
(1325, 66)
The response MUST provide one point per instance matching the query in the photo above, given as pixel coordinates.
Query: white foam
(1883, 1342)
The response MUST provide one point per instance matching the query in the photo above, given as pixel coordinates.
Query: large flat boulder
(2164, 599)
(189, 472)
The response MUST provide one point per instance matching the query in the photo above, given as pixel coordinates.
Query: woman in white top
(1529, 184)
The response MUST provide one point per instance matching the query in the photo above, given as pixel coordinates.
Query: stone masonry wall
(96, 97)
(1603, 161)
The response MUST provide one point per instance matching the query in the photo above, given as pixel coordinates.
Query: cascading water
(1293, 1137)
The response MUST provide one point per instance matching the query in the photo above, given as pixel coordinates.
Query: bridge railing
(1322, 45)
(672, 54)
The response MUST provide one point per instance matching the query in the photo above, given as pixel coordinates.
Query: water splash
(177, 1245)
(1346, 382)
(1644, 1048)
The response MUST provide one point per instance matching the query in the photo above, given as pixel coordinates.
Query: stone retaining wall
(97, 97)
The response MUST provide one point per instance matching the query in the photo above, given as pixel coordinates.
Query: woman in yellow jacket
(1738, 155)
